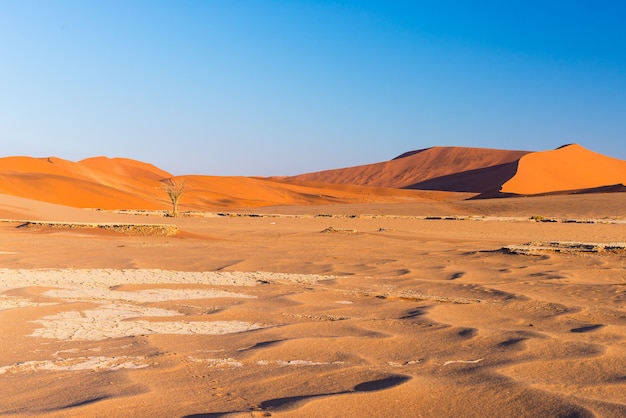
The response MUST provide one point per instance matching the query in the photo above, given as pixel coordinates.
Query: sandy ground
(330, 311)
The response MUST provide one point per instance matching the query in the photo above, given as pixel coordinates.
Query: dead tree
(174, 190)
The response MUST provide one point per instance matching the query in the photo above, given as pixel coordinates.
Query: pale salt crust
(77, 364)
(118, 316)
(104, 278)
(96, 283)
(125, 362)
(117, 320)
(230, 362)
(10, 302)
(150, 295)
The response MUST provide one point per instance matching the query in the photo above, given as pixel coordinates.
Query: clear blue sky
(269, 87)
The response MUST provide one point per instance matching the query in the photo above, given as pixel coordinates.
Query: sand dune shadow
(280, 403)
(587, 328)
(370, 386)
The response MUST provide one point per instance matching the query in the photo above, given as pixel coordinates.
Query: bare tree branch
(174, 189)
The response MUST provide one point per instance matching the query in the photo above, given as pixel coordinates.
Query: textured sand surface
(400, 310)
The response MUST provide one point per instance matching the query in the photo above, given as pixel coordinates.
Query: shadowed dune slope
(415, 167)
(486, 182)
(570, 167)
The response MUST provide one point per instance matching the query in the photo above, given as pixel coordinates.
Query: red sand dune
(413, 169)
(570, 167)
(487, 172)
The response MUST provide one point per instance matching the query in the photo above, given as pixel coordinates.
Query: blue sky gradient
(269, 87)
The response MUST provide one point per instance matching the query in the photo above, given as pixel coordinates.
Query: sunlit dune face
(568, 168)
(94, 183)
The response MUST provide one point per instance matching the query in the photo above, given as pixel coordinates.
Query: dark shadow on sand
(278, 403)
(371, 386)
(485, 181)
(586, 328)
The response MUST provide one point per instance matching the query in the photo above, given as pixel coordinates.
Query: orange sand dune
(439, 173)
(94, 183)
(127, 184)
(216, 192)
(72, 192)
(412, 168)
(125, 167)
(570, 167)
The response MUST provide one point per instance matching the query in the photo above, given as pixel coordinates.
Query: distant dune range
(438, 173)
(436, 168)
(486, 172)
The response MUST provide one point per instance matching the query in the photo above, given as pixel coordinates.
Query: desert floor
(330, 311)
